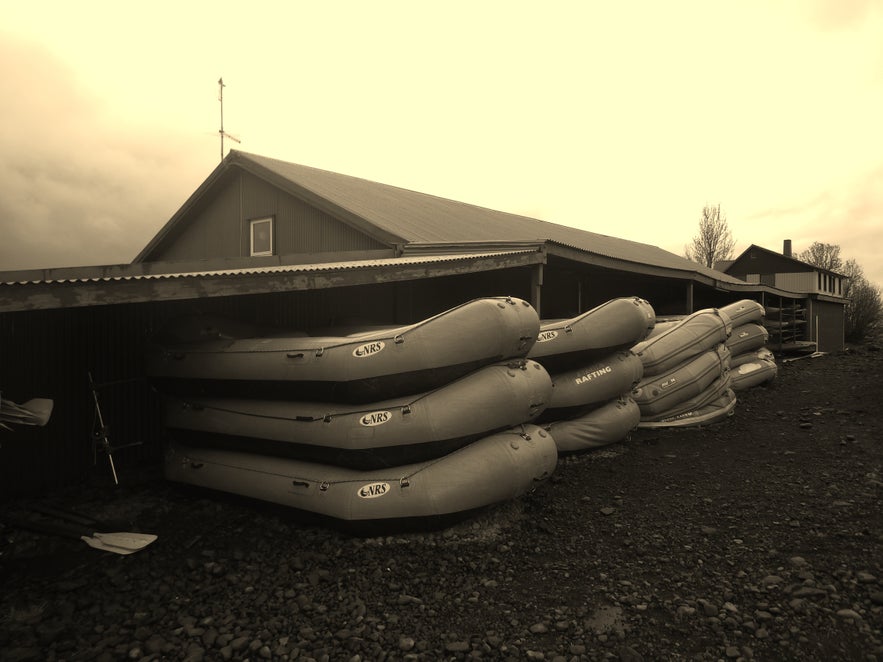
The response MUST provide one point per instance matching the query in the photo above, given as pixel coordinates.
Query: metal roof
(402, 216)
(119, 272)
(139, 283)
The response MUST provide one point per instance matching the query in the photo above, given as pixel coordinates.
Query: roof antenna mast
(221, 131)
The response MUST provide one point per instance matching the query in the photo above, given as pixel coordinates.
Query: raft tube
(608, 424)
(711, 394)
(576, 392)
(714, 411)
(356, 369)
(382, 434)
(661, 393)
(613, 326)
(752, 373)
(496, 468)
(744, 311)
(747, 337)
(690, 337)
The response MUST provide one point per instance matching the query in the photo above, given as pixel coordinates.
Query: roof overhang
(126, 284)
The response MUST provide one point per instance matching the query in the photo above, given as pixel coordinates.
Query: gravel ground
(759, 538)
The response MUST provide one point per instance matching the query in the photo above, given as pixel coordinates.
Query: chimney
(786, 249)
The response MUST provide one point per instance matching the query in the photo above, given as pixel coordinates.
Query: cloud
(849, 215)
(840, 14)
(76, 186)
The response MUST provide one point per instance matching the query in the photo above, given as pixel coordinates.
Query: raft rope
(296, 352)
(405, 408)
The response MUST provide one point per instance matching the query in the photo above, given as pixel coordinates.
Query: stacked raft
(751, 363)
(694, 365)
(593, 372)
(428, 420)
(686, 372)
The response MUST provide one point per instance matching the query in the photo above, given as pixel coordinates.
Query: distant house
(814, 313)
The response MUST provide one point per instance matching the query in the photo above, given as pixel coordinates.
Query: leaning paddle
(118, 543)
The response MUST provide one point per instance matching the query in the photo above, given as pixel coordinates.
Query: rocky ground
(759, 538)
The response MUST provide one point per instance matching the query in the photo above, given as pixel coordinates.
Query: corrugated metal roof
(422, 218)
(99, 274)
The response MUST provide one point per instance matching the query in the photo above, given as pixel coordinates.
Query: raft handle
(300, 483)
(196, 465)
(295, 355)
(406, 410)
(404, 482)
(323, 487)
(399, 339)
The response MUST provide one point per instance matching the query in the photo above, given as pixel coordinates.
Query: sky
(622, 118)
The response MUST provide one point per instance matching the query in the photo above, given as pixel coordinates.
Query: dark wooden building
(287, 245)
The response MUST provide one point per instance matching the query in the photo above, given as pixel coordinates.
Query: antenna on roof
(221, 131)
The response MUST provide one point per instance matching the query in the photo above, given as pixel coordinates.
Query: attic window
(262, 236)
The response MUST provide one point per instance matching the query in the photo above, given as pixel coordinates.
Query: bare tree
(864, 309)
(714, 241)
(864, 312)
(826, 256)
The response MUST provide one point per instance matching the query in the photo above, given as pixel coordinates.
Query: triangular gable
(401, 217)
(773, 261)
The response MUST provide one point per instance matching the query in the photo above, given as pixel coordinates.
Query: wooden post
(536, 288)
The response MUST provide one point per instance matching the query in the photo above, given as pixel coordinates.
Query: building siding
(221, 228)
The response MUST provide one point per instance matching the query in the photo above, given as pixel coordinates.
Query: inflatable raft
(746, 338)
(493, 469)
(691, 336)
(715, 410)
(359, 368)
(743, 311)
(752, 373)
(576, 392)
(382, 434)
(613, 326)
(697, 403)
(603, 426)
(762, 354)
(661, 393)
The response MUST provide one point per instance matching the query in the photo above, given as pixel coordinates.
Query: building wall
(221, 228)
(827, 325)
(763, 262)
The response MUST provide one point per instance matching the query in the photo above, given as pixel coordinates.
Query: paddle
(118, 543)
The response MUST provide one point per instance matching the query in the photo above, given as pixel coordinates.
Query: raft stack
(686, 378)
(593, 372)
(751, 363)
(428, 420)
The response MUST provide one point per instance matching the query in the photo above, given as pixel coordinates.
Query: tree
(864, 312)
(864, 309)
(826, 256)
(714, 241)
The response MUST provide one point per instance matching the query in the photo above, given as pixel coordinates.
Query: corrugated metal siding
(221, 229)
(797, 282)
(299, 227)
(213, 233)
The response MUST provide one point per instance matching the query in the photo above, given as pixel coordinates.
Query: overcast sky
(623, 118)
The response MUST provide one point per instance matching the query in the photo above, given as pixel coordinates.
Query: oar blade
(125, 540)
(98, 544)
